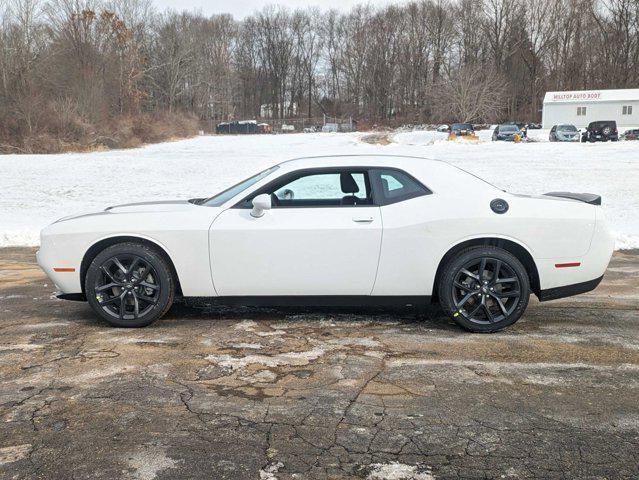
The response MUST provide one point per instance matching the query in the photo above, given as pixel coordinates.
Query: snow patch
(419, 137)
(288, 358)
(249, 346)
(272, 333)
(246, 325)
(148, 463)
(97, 374)
(14, 453)
(44, 326)
(21, 346)
(399, 471)
(269, 472)
(263, 376)
(358, 342)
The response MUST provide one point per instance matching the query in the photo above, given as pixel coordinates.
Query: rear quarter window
(392, 186)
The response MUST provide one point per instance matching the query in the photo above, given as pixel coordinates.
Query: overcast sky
(241, 8)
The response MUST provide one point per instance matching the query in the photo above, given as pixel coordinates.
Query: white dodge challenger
(342, 230)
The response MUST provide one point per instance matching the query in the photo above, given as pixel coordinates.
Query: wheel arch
(518, 250)
(100, 245)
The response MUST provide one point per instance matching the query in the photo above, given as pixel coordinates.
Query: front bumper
(568, 139)
(52, 257)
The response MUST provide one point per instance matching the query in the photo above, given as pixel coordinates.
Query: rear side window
(394, 186)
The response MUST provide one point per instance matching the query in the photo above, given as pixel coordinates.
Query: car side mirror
(261, 203)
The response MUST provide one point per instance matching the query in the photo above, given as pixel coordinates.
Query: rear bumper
(568, 290)
(563, 276)
(76, 297)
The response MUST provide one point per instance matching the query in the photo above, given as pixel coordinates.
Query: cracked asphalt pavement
(220, 393)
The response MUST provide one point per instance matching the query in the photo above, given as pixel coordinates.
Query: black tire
(495, 305)
(129, 285)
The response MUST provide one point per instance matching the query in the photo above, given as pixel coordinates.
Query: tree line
(80, 68)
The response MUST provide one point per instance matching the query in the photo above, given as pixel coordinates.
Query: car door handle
(363, 220)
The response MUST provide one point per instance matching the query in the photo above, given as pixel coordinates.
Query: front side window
(396, 186)
(321, 189)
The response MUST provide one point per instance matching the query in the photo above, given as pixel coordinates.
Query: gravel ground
(220, 393)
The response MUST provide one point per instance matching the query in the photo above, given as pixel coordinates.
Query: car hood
(157, 206)
(141, 207)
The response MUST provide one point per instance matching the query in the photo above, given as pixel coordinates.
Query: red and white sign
(571, 96)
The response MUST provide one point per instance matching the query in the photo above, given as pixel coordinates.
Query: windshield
(508, 128)
(461, 126)
(566, 128)
(223, 197)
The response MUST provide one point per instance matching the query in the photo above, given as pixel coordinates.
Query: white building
(582, 107)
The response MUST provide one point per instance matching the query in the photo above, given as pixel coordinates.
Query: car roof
(437, 175)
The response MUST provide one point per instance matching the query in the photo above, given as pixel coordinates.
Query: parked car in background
(564, 133)
(443, 128)
(631, 134)
(237, 127)
(523, 128)
(601, 131)
(507, 132)
(463, 131)
(264, 128)
(534, 126)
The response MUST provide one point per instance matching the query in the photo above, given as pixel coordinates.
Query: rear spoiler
(590, 198)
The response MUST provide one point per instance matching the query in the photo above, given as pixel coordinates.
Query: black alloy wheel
(129, 285)
(484, 289)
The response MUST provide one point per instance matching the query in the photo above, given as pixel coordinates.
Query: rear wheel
(129, 285)
(484, 289)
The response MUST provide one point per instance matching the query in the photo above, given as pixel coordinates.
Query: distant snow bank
(36, 190)
(419, 137)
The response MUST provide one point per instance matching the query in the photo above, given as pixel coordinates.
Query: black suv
(601, 131)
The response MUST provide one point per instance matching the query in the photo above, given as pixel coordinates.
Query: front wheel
(129, 285)
(484, 289)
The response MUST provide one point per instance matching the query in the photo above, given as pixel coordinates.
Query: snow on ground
(399, 471)
(35, 190)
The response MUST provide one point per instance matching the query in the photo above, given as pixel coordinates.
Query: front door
(322, 236)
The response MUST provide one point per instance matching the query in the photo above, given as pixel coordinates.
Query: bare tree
(472, 94)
